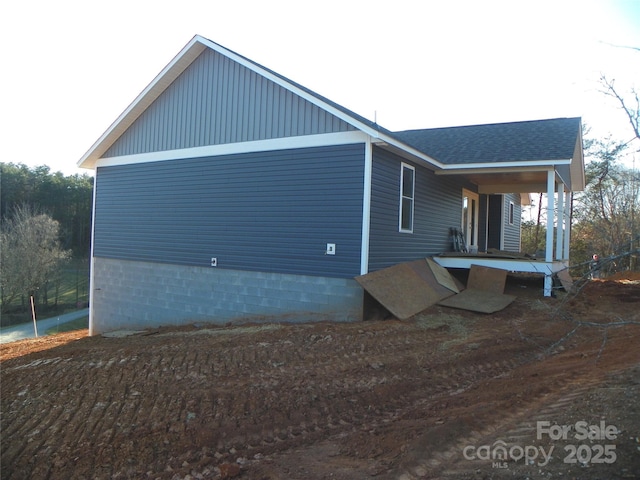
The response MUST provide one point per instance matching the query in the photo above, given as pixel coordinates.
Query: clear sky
(71, 67)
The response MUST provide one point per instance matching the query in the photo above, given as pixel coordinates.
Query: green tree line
(66, 199)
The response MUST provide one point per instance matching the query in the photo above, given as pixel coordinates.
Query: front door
(470, 215)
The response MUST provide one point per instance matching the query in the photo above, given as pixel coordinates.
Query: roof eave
(395, 146)
(491, 167)
(158, 85)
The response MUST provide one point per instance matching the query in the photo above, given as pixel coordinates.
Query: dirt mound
(424, 398)
(627, 275)
(32, 345)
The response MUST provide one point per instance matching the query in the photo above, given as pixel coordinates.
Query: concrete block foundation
(137, 295)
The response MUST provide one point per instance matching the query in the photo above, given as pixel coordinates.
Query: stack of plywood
(409, 288)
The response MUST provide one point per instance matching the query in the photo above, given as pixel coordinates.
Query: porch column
(567, 222)
(551, 191)
(560, 227)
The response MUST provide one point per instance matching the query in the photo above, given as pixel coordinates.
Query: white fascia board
(158, 85)
(307, 141)
(501, 167)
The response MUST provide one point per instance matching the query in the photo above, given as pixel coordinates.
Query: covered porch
(506, 159)
(503, 180)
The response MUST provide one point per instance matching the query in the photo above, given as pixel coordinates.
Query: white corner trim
(366, 207)
(92, 274)
(307, 141)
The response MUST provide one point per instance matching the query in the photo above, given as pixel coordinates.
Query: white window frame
(511, 214)
(404, 198)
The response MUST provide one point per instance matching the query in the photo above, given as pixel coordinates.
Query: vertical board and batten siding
(270, 211)
(437, 207)
(511, 234)
(218, 101)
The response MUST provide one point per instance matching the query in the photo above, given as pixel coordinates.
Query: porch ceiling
(504, 180)
(514, 182)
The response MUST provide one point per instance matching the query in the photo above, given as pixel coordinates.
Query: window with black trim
(407, 197)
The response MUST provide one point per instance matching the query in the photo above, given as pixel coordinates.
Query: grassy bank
(66, 292)
(79, 324)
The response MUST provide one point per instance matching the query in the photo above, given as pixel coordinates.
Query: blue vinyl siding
(218, 101)
(511, 233)
(270, 211)
(502, 235)
(438, 206)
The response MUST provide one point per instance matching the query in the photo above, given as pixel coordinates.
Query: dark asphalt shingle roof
(553, 139)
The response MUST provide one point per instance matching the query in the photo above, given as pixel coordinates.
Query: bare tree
(30, 253)
(607, 210)
(630, 103)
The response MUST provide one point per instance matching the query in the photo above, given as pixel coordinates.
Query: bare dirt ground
(547, 388)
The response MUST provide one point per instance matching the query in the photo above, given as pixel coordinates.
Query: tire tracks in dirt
(569, 378)
(179, 403)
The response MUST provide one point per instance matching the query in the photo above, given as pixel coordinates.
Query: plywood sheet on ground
(481, 301)
(421, 267)
(487, 278)
(404, 289)
(442, 276)
(566, 280)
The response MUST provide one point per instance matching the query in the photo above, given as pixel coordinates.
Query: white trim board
(307, 141)
(366, 208)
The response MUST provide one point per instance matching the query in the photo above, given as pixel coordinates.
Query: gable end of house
(218, 101)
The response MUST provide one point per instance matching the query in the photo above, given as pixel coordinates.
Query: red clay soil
(448, 394)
